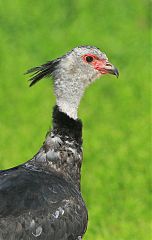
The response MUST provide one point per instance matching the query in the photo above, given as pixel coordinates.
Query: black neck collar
(66, 126)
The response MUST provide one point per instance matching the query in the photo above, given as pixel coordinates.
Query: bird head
(86, 62)
(72, 73)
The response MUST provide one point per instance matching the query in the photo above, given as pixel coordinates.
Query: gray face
(73, 65)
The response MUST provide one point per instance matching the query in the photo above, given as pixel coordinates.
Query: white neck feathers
(69, 85)
(68, 97)
(69, 109)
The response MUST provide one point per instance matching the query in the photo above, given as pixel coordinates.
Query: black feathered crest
(42, 71)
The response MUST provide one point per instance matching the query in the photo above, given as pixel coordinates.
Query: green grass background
(115, 113)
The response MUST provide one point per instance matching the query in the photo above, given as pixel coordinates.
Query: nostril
(108, 64)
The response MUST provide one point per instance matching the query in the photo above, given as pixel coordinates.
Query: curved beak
(104, 67)
(111, 69)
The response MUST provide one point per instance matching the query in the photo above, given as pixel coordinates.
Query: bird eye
(89, 59)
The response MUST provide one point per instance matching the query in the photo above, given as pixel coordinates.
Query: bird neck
(71, 109)
(68, 95)
(62, 149)
(68, 132)
(65, 126)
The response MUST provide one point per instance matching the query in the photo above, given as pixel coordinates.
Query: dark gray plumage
(41, 198)
(37, 199)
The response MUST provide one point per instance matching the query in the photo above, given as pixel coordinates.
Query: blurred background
(115, 112)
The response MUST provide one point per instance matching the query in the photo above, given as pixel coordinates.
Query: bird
(41, 198)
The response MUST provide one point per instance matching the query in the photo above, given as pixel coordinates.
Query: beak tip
(116, 73)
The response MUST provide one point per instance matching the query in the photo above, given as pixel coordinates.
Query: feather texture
(42, 71)
(42, 197)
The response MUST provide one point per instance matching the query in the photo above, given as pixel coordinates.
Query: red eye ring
(89, 59)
